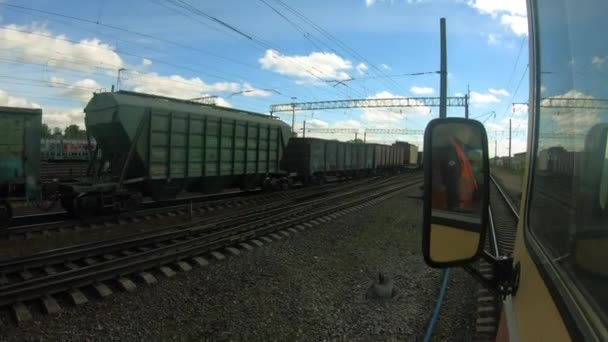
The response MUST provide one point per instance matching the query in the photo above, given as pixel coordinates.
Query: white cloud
(57, 80)
(15, 101)
(315, 66)
(493, 39)
(422, 90)
(41, 46)
(482, 99)
(513, 13)
(501, 92)
(385, 67)
(370, 3)
(342, 136)
(220, 101)
(361, 68)
(392, 115)
(598, 61)
(517, 24)
(520, 109)
(146, 62)
(353, 124)
(188, 88)
(494, 7)
(570, 119)
(492, 126)
(250, 91)
(63, 117)
(81, 90)
(177, 86)
(316, 123)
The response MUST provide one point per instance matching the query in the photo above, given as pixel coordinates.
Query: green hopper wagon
(158, 146)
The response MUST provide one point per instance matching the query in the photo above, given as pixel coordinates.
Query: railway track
(74, 274)
(504, 218)
(53, 223)
(500, 242)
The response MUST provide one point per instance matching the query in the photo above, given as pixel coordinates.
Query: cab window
(567, 213)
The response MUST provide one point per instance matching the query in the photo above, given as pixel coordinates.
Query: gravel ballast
(310, 286)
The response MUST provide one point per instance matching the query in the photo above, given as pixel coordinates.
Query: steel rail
(127, 264)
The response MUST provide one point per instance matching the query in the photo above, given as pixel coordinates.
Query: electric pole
(118, 78)
(466, 102)
(495, 152)
(293, 115)
(509, 143)
(443, 71)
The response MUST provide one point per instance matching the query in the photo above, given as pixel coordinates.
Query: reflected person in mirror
(454, 181)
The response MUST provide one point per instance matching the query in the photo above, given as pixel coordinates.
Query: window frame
(578, 315)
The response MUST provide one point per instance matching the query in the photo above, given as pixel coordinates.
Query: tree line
(70, 132)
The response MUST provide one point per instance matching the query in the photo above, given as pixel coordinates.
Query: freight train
(148, 145)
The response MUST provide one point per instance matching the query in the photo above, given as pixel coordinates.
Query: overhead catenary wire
(150, 37)
(311, 38)
(126, 53)
(252, 38)
(121, 29)
(337, 41)
(154, 37)
(102, 65)
(521, 46)
(516, 90)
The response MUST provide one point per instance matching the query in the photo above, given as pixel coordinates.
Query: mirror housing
(456, 191)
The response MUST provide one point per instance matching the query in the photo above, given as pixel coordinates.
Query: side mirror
(456, 191)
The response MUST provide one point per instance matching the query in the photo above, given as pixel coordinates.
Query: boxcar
(159, 146)
(19, 156)
(312, 159)
(19, 150)
(409, 151)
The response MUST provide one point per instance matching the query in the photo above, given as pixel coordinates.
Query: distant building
(518, 161)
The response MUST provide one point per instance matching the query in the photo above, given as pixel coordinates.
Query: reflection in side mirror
(456, 191)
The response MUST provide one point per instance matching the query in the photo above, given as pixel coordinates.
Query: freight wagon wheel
(133, 202)
(49, 196)
(319, 180)
(86, 205)
(267, 185)
(47, 202)
(286, 184)
(6, 213)
(67, 203)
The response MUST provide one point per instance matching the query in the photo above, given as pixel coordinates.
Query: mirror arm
(505, 275)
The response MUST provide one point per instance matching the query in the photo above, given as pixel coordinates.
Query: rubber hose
(431, 327)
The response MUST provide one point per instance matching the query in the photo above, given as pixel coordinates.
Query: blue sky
(56, 53)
